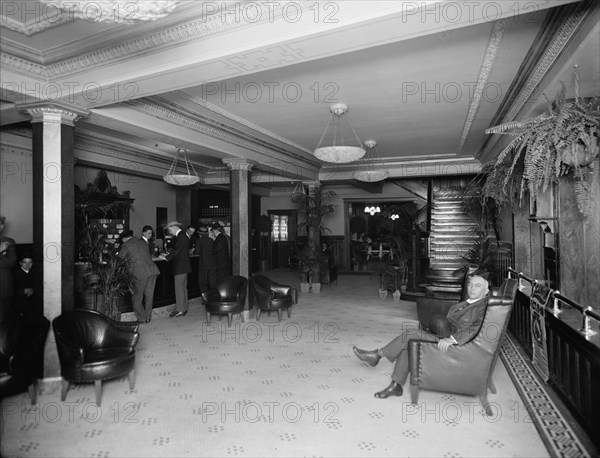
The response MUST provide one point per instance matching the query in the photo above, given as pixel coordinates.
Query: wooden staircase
(450, 239)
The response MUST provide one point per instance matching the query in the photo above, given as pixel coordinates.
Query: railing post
(556, 310)
(587, 325)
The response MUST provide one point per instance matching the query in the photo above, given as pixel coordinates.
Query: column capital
(61, 113)
(238, 163)
(312, 184)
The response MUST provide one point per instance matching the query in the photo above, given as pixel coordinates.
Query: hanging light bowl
(367, 171)
(338, 152)
(176, 179)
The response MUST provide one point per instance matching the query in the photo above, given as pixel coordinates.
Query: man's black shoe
(394, 389)
(369, 357)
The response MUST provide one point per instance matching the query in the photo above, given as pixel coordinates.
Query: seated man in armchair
(458, 327)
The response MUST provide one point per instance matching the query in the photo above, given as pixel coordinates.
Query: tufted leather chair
(92, 348)
(227, 298)
(466, 369)
(22, 342)
(428, 306)
(267, 295)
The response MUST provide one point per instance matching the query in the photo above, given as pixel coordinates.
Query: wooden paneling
(574, 365)
(579, 244)
(520, 322)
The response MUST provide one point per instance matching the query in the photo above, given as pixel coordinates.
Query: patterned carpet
(271, 389)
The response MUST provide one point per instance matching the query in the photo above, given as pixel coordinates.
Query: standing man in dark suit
(179, 254)
(23, 287)
(221, 252)
(144, 272)
(148, 238)
(8, 259)
(207, 265)
(458, 327)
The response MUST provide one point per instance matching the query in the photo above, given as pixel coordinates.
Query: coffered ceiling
(255, 80)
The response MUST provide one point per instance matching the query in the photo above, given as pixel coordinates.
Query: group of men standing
(214, 264)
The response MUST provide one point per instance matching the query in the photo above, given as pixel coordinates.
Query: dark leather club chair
(465, 369)
(267, 295)
(227, 298)
(92, 348)
(428, 306)
(22, 342)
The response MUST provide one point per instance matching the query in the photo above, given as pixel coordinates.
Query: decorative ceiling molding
(148, 44)
(215, 109)
(496, 36)
(182, 117)
(23, 66)
(566, 31)
(562, 24)
(130, 151)
(36, 25)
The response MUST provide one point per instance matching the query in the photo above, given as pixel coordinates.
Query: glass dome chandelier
(118, 11)
(372, 209)
(181, 179)
(367, 171)
(339, 152)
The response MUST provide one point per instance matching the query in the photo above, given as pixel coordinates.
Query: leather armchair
(428, 306)
(227, 298)
(22, 342)
(465, 369)
(267, 295)
(92, 348)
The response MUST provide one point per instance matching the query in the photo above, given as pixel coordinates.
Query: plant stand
(304, 287)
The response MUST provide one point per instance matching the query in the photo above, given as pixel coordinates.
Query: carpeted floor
(271, 389)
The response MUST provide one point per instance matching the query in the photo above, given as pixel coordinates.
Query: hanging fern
(563, 141)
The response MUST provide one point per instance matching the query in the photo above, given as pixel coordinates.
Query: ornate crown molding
(496, 36)
(215, 109)
(23, 66)
(178, 115)
(157, 41)
(559, 41)
(33, 26)
(127, 151)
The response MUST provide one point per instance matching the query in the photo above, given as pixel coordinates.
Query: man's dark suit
(222, 256)
(207, 265)
(144, 272)
(22, 303)
(182, 266)
(464, 318)
(8, 259)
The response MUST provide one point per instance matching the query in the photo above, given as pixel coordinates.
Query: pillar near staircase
(450, 239)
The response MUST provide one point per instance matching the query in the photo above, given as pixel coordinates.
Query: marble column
(53, 214)
(239, 179)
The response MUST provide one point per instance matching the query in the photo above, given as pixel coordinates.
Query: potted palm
(107, 274)
(312, 209)
(562, 141)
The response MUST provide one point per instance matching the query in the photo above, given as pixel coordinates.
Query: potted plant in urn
(312, 209)
(107, 274)
(562, 141)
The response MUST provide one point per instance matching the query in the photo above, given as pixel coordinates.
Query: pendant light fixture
(172, 177)
(366, 168)
(340, 150)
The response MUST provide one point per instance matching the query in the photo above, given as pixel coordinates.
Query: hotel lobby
(221, 112)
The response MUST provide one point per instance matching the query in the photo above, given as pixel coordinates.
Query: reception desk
(164, 291)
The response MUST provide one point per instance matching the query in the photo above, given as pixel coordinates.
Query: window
(280, 228)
